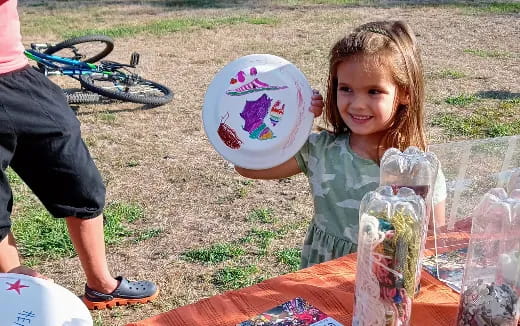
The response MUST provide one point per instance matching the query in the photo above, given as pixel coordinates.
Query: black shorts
(40, 139)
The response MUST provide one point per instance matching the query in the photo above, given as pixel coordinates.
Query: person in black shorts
(40, 139)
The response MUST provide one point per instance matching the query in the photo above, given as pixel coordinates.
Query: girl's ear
(404, 97)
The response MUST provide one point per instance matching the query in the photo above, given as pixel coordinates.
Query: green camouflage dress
(339, 178)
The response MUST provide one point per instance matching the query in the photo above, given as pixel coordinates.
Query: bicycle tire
(82, 97)
(107, 41)
(153, 93)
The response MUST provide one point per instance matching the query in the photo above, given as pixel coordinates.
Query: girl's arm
(284, 170)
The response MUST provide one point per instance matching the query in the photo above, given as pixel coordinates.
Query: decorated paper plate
(26, 300)
(256, 111)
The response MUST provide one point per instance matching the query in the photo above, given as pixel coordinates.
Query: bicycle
(108, 78)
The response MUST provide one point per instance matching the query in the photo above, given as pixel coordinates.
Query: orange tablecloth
(328, 286)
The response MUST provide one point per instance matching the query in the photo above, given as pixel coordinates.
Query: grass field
(177, 212)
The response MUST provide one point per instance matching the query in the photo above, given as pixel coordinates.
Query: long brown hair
(392, 44)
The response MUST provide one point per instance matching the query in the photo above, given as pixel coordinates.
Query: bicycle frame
(70, 67)
(107, 78)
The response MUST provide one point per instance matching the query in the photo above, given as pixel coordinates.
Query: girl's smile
(360, 119)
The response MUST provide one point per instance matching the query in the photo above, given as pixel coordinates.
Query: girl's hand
(316, 103)
(28, 271)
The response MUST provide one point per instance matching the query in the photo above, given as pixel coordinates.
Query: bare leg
(87, 237)
(8, 254)
(10, 261)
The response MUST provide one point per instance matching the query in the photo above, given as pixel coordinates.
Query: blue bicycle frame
(68, 67)
(110, 79)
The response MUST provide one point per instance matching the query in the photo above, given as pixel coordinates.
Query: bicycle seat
(134, 60)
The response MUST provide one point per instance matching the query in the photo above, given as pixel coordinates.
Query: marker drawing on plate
(24, 318)
(253, 114)
(256, 111)
(16, 286)
(256, 85)
(228, 134)
(301, 111)
(276, 113)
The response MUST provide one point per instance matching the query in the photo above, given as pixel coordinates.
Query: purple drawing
(253, 114)
(241, 76)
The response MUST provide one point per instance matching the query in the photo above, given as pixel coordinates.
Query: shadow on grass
(498, 95)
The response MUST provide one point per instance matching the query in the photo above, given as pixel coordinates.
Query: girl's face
(367, 96)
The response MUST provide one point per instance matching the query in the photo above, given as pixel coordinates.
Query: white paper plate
(256, 111)
(26, 300)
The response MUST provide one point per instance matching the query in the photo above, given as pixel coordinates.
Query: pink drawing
(256, 85)
(301, 111)
(16, 286)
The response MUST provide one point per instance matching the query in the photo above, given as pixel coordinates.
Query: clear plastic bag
(416, 170)
(391, 233)
(491, 282)
(411, 168)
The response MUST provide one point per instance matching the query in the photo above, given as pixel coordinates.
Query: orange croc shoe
(127, 292)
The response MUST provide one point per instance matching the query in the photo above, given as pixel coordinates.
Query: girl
(374, 101)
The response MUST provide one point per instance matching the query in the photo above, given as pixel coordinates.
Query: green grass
(132, 163)
(13, 178)
(461, 100)
(263, 215)
(323, 2)
(489, 54)
(40, 235)
(165, 26)
(234, 277)
(483, 122)
(216, 253)
(508, 7)
(147, 234)
(290, 257)
(107, 117)
(453, 74)
(263, 237)
(502, 7)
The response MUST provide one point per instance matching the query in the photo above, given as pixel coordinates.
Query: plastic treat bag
(416, 170)
(391, 233)
(413, 169)
(491, 283)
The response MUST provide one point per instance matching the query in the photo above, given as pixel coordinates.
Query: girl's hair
(390, 44)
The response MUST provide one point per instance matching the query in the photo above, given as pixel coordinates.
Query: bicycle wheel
(81, 97)
(128, 88)
(90, 48)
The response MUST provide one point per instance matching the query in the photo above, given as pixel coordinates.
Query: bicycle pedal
(134, 59)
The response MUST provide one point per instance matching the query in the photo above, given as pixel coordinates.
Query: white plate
(26, 300)
(256, 111)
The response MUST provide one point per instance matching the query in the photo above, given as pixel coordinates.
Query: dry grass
(186, 188)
